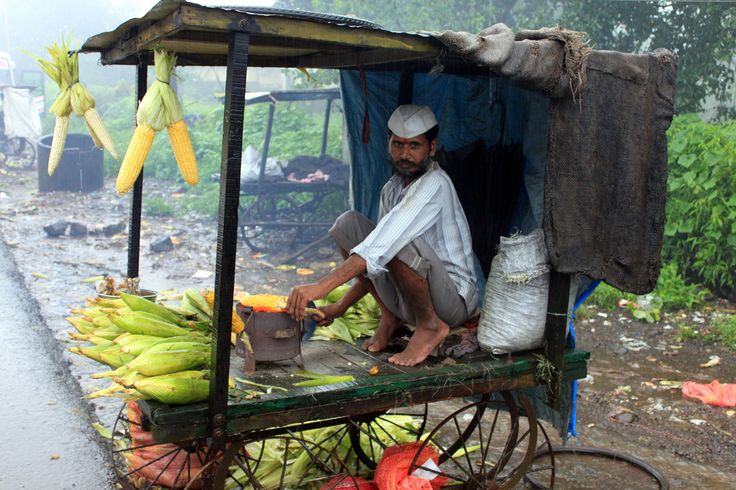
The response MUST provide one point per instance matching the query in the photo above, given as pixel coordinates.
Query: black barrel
(80, 168)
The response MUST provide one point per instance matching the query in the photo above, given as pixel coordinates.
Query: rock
(77, 229)
(56, 229)
(162, 245)
(111, 230)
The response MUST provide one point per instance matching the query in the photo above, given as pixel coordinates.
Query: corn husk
(160, 107)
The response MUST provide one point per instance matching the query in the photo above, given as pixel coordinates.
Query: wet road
(48, 442)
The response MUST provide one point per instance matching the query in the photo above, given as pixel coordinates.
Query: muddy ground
(630, 402)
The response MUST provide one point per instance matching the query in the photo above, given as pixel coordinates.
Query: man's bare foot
(425, 339)
(380, 339)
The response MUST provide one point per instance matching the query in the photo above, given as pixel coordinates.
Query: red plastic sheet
(715, 393)
(392, 472)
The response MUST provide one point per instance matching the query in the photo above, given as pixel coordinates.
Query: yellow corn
(136, 154)
(157, 363)
(174, 391)
(237, 322)
(57, 144)
(183, 151)
(265, 302)
(99, 132)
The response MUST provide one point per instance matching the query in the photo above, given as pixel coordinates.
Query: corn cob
(58, 142)
(138, 303)
(174, 391)
(159, 109)
(183, 345)
(121, 371)
(63, 69)
(195, 299)
(181, 144)
(237, 324)
(157, 363)
(115, 358)
(81, 325)
(99, 132)
(139, 322)
(135, 155)
(264, 302)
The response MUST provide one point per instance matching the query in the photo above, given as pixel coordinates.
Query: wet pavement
(48, 441)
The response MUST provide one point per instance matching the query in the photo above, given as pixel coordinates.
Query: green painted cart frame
(243, 37)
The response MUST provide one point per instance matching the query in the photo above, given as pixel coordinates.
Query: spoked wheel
(141, 463)
(488, 444)
(282, 462)
(541, 474)
(20, 153)
(260, 227)
(370, 434)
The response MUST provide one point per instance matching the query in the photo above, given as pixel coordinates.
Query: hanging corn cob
(159, 109)
(63, 69)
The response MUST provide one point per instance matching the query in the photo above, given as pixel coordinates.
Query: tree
(702, 34)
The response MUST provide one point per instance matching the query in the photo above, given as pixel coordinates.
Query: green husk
(160, 107)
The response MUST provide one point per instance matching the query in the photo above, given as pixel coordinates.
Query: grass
(686, 332)
(724, 327)
(157, 206)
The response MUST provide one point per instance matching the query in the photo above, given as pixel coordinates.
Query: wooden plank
(143, 39)
(300, 30)
(555, 332)
(227, 233)
(491, 374)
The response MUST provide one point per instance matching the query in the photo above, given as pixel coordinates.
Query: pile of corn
(156, 352)
(63, 69)
(160, 108)
(301, 461)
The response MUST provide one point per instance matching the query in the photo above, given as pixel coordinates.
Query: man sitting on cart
(418, 260)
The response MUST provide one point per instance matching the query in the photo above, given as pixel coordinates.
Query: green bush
(724, 327)
(675, 293)
(607, 297)
(700, 234)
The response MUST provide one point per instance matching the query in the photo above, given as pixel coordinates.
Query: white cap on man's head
(411, 120)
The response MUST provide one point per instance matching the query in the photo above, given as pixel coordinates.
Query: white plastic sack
(250, 167)
(515, 302)
(20, 115)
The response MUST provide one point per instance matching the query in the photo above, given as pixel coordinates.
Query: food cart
(583, 137)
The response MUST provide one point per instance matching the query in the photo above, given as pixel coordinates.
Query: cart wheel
(141, 463)
(260, 227)
(541, 474)
(371, 433)
(20, 153)
(280, 462)
(486, 444)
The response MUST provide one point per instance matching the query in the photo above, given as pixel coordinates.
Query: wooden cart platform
(393, 386)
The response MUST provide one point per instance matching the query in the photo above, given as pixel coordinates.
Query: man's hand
(331, 312)
(300, 296)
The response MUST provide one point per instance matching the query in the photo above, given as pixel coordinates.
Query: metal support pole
(325, 128)
(227, 233)
(554, 333)
(136, 199)
(266, 141)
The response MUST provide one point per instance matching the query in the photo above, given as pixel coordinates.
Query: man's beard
(410, 174)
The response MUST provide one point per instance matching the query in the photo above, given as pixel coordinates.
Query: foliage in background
(700, 234)
(702, 34)
(724, 327)
(672, 293)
